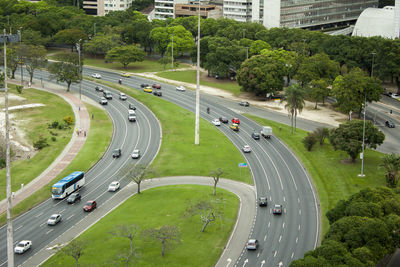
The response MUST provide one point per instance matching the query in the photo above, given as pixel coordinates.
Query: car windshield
(116, 151)
(20, 245)
(89, 203)
(53, 217)
(114, 184)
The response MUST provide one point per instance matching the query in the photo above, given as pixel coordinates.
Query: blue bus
(67, 185)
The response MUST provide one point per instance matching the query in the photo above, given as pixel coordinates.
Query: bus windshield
(56, 190)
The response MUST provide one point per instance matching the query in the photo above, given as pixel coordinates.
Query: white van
(131, 115)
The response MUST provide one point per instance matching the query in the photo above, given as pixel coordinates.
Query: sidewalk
(82, 121)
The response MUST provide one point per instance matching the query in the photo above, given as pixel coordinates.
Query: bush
(321, 133)
(53, 133)
(69, 120)
(19, 89)
(53, 138)
(309, 141)
(54, 125)
(41, 143)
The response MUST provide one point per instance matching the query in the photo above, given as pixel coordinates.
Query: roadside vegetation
(334, 175)
(172, 203)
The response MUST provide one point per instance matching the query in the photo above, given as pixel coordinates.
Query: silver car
(136, 154)
(54, 219)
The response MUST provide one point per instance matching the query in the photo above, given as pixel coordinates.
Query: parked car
(255, 135)
(136, 154)
(96, 75)
(157, 93)
(244, 103)
(216, 122)
(181, 88)
(132, 107)
(277, 209)
(90, 205)
(54, 219)
(389, 124)
(114, 186)
(23, 246)
(103, 101)
(223, 119)
(125, 74)
(117, 153)
(252, 244)
(148, 89)
(246, 149)
(236, 120)
(122, 96)
(395, 96)
(98, 89)
(388, 93)
(234, 127)
(143, 85)
(262, 201)
(74, 197)
(156, 86)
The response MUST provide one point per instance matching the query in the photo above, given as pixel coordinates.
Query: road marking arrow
(246, 261)
(229, 262)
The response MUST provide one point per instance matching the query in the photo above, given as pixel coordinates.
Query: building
(310, 14)
(206, 11)
(103, 7)
(164, 9)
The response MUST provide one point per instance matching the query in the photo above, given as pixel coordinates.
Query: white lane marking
(269, 224)
(62, 211)
(265, 237)
(275, 253)
(19, 227)
(300, 211)
(299, 227)
(70, 217)
(246, 261)
(49, 231)
(298, 200)
(262, 263)
(38, 215)
(42, 224)
(283, 225)
(297, 239)
(284, 199)
(229, 261)
(270, 198)
(258, 254)
(292, 255)
(280, 238)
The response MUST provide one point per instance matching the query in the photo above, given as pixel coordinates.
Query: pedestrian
(13, 194)
(391, 111)
(28, 157)
(79, 108)
(77, 131)
(92, 116)
(84, 133)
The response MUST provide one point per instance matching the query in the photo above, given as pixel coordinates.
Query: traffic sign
(242, 165)
(10, 38)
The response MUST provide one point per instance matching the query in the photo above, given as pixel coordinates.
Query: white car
(22, 246)
(122, 96)
(54, 219)
(114, 186)
(96, 75)
(136, 154)
(181, 88)
(395, 96)
(103, 101)
(216, 122)
(246, 149)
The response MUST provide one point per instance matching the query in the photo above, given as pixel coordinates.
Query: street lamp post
(172, 51)
(78, 47)
(197, 126)
(20, 59)
(365, 111)
(247, 52)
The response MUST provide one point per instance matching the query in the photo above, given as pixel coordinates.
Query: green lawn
(189, 76)
(155, 208)
(96, 144)
(334, 177)
(34, 121)
(178, 154)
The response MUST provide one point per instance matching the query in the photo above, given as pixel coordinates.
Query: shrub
(69, 120)
(41, 143)
(53, 133)
(62, 126)
(54, 125)
(309, 141)
(19, 89)
(53, 138)
(320, 134)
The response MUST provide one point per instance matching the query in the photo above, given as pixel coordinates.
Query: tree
(125, 54)
(321, 133)
(391, 163)
(168, 235)
(353, 89)
(207, 210)
(183, 40)
(65, 69)
(161, 38)
(70, 37)
(129, 232)
(294, 97)
(319, 91)
(309, 141)
(74, 249)
(138, 173)
(348, 137)
(257, 46)
(13, 59)
(216, 174)
(35, 58)
(101, 43)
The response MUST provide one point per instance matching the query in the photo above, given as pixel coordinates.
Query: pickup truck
(266, 131)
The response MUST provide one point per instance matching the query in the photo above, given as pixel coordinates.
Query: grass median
(155, 208)
(333, 176)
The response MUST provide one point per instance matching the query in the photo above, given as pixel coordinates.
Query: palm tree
(294, 97)
(391, 163)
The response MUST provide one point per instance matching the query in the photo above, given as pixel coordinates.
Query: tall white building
(296, 13)
(103, 7)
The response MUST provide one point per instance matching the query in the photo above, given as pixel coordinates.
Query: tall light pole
(247, 52)
(78, 47)
(172, 53)
(197, 126)
(365, 111)
(20, 52)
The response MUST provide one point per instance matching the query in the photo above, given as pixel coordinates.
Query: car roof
(24, 241)
(252, 240)
(278, 206)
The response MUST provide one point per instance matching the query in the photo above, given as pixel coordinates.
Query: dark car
(156, 86)
(244, 103)
(132, 106)
(262, 201)
(223, 119)
(90, 205)
(74, 197)
(277, 209)
(255, 135)
(389, 94)
(157, 93)
(389, 124)
(143, 85)
(117, 153)
(98, 89)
